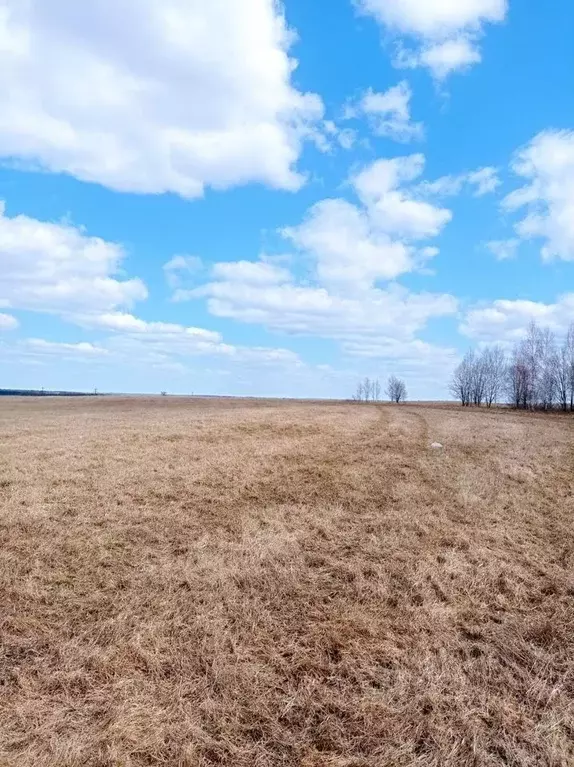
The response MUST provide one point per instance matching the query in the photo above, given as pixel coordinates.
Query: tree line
(369, 390)
(537, 373)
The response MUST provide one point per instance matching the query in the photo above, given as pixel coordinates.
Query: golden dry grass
(202, 582)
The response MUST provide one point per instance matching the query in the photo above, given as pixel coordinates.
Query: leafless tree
(538, 373)
(478, 377)
(494, 369)
(358, 395)
(534, 373)
(461, 383)
(569, 346)
(396, 389)
(368, 389)
(547, 384)
(517, 380)
(562, 376)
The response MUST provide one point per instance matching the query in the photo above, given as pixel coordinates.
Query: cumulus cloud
(349, 248)
(446, 32)
(479, 182)
(180, 268)
(392, 206)
(314, 310)
(133, 337)
(411, 354)
(159, 345)
(547, 165)
(503, 249)
(354, 245)
(127, 323)
(251, 272)
(506, 320)
(7, 322)
(58, 268)
(441, 58)
(153, 97)
(389, 113)
(83, 349)
(484, 180)
(332, 135)
(374, 324)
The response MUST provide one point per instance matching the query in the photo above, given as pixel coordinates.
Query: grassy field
(252, 583)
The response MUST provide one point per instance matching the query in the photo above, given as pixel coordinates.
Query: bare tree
(537, 374)
(359, 392)
(396, 389)
(461, 383)
(534, 376)
(547, 384)
(517, 380)
(569, 345)
(494, 369)
(367, 389)
(531, 352)
(562, 376)
(478, 377)
(403, 393)
(563, 366)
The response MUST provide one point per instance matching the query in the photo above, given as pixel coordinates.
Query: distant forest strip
(43, 393)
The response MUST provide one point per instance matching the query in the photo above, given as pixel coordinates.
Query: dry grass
(203, 583)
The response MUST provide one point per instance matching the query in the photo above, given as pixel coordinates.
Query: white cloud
(7, 322)
(393, 208)
(445, 186)
(154, 345)
(331, 135)
(411, 354)
(441, 58)
(152, 97)
(435, 18)
(481, 182)
(251, 272)
(179, 268)
(127, 323)
(307, 310)
(170, 345)
(503, 249)
(506, 320)
(163, 341)
(82, 349)
(485, 180)
(371, 325)
(349, 250)
(56, 267)
(445, 30)
(352, 246)
(347, 138)
(547, 164)
(389, 113)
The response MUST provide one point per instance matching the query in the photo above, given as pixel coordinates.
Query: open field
(210, 582)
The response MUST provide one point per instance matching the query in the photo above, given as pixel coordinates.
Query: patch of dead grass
(191, 582)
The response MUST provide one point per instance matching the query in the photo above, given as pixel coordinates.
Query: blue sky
(264, 199)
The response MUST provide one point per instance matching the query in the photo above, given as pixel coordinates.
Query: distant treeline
(537, 373)
(42, 393)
